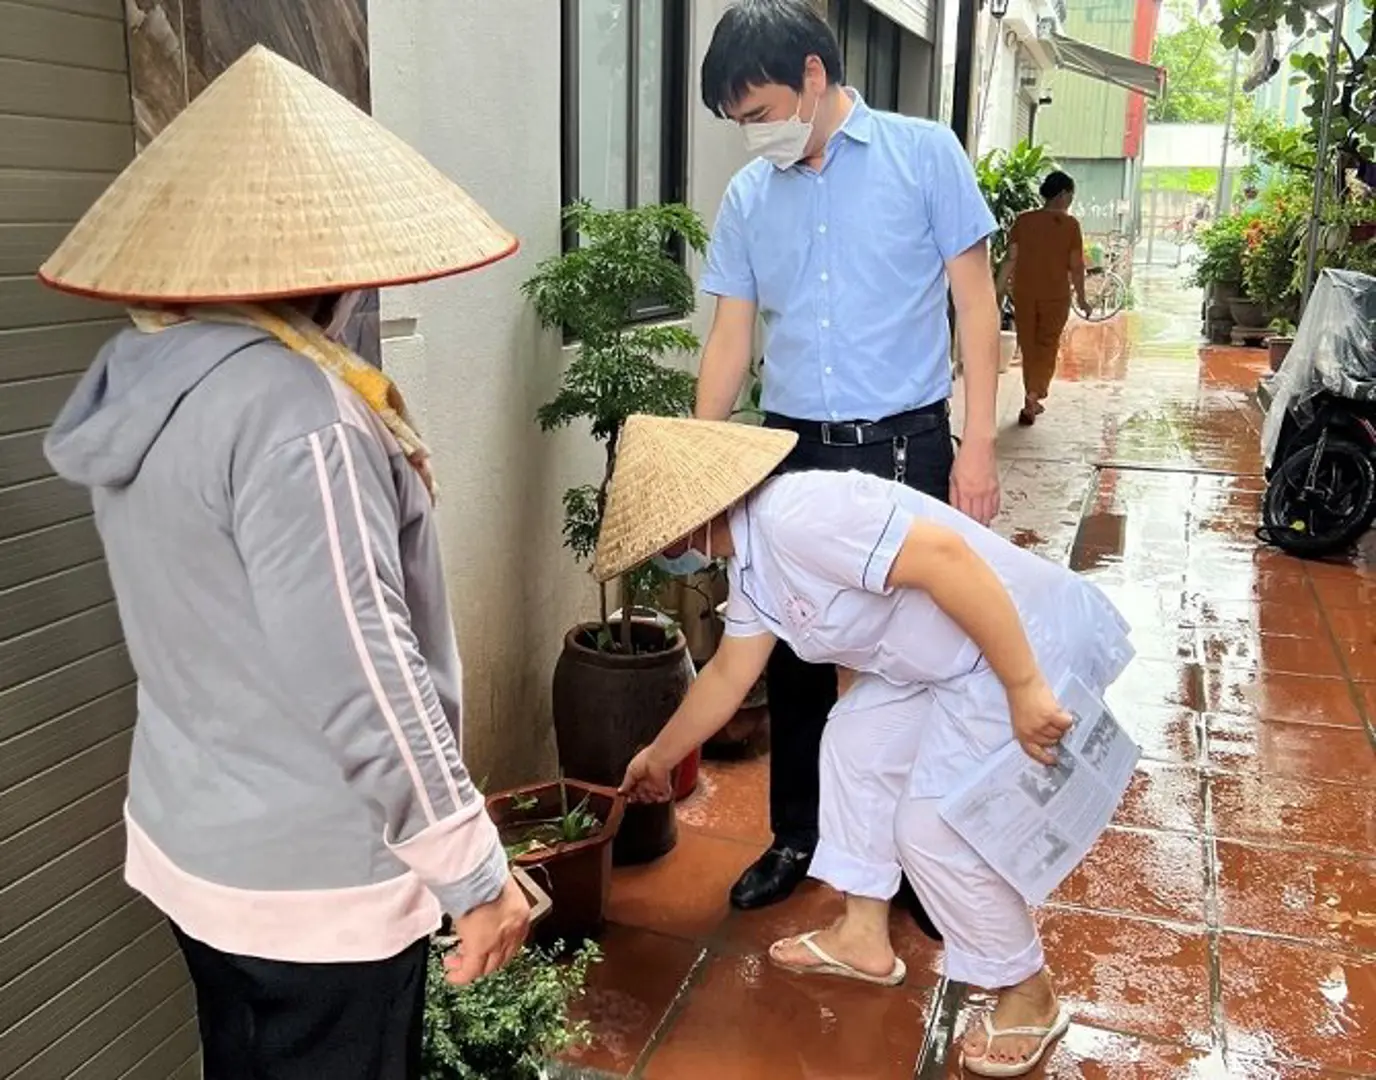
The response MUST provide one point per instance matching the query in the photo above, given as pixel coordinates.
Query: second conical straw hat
(674, 475)
(270, 184)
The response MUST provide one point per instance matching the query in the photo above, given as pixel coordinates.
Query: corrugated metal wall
(1088, 118)
(91, 985)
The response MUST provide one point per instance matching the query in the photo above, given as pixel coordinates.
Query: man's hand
(1038, 720)
(975, 480)
(489, 936)
(648, 779)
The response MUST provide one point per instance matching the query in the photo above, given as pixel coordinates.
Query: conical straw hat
(674, 475)
(270, 184)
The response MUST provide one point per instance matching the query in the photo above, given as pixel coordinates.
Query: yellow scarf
(302, 335)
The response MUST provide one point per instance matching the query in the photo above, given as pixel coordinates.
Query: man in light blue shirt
(844, 236)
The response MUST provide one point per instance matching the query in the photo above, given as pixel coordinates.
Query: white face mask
(690, 562)
(782, 143)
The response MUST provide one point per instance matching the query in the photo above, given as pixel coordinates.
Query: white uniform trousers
(870, 825)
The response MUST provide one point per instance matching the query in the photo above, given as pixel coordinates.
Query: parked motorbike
(1319, 436)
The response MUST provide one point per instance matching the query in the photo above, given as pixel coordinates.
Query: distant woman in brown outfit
(1045, 258)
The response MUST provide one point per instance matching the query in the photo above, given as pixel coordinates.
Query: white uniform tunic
(813, 554)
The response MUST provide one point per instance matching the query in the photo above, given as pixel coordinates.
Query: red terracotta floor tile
(1278, 810)
(1165, 797)
(1296, 699)
(1353, 626)
(1169, 733)
(1269, 654)
(1155, 684)
(1327, 899)
(629, 993)
(1286, 1002)
(732, 801)
(1130, 975)
(1154, 874)
(747, 1020)
(1345, 590)
(684, 894)
(1283, 620)
(813, 907)
(1238, 579)
(1303, 751)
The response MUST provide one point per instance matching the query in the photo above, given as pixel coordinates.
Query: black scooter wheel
(1313, 516)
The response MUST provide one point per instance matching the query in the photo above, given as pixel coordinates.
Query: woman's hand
(648, 778)
(1038, 720)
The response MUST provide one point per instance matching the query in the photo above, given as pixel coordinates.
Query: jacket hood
(123, 403)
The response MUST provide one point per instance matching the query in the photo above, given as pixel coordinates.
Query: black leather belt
(863, 432)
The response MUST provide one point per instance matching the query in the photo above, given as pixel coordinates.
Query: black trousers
(270, 1020)
(801, 695)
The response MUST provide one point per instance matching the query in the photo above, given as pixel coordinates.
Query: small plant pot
(1278, 348)
(577, 876)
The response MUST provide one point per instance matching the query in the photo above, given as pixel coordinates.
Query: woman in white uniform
(949, 640)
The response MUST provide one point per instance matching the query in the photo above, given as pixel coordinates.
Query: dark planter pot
(1279, 348)
(1247, 314)
(607, 707)
(1361, 233)
(577, 876)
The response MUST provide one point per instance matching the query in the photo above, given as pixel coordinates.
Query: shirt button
(826, 276)
(828, 371)
(821, 180)
(836, 416)
(826, 323)
(821, 228)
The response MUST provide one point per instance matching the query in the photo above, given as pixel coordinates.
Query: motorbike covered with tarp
(1319, 435)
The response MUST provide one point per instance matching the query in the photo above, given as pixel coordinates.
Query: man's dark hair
(758, 42)
(1056, 184)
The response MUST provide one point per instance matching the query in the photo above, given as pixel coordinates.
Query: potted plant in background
(1272, 242)
(1009, 181)
(561, 831)
(1278, 344)
(1218, 271)
(618, 679)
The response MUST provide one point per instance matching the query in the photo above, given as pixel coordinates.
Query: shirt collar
(859, 125)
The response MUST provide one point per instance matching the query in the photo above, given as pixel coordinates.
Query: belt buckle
(856, 427)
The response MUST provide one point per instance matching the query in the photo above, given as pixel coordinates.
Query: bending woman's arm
(940, 563)
(712, 701)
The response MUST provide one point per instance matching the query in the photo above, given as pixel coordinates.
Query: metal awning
(1109, 67)
(915, 16)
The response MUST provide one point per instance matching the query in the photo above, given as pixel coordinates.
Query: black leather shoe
(771, 879)
(907, 900)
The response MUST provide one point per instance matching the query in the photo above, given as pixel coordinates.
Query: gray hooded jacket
(295, 790)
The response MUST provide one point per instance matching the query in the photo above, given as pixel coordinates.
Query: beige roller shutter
(91, 985)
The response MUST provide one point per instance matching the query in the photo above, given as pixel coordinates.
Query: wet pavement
(1226, 925)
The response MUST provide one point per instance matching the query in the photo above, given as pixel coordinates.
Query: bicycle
(1105, 291)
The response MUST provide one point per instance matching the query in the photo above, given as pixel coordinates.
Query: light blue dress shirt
(847, 266)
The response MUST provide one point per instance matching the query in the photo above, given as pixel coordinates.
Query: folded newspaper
(1033, 823)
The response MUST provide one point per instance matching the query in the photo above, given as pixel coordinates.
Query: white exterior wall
(1002, 44)
(477, 89)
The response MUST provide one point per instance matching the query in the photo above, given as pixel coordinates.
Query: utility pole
(1227, 137)
(1311, 252)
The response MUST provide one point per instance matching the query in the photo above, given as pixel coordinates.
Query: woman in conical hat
(949, 640)
(297, 803)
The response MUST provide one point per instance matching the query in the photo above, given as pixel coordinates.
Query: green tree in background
(1198, 69)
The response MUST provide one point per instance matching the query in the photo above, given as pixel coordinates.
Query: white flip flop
(983, 1067)
(829, 965)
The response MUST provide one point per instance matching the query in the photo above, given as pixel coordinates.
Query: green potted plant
(508, 1025)
(1279, 343)
(562, 831)
(618, 679)
(1272, 243)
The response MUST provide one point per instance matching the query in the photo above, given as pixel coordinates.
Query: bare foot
(1029, 1004)
(873, 956)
